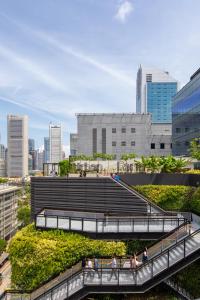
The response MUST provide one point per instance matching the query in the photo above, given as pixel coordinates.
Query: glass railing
(110, 224)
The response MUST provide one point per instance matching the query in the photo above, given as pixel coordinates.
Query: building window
(114, 144)
(123, 130)
(187, 129)
(114, 130)
(152, 145)
(187, 143)
(178, 130)
(162, 146)
(133, 143)
(123, 143)
(149, 78)
(178, 144)
(133, 130)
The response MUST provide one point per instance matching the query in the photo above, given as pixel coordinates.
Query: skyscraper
(31, 145)
(32, 154)
(55, 143)
(17, 135)
(155, 90)
(46, 150)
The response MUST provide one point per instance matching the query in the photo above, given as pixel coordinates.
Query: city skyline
(53, 65)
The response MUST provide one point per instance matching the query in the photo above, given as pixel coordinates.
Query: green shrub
(3, 180)
(36, 256)
(24, 214)
(2, 245)
(168, 197)
(195, 202)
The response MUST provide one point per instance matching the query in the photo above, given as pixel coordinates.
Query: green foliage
(3, 180)
(135, 246)
(103, 156)
(24, 214)
(66, 167)
(189, 278)
(36, 255)
(128, 156)
(195, 148)
(2, 245)
(168, 197)
(164, 164)
(193, 171)
(195, 201)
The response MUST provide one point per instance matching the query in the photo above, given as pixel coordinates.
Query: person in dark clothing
(145, 256)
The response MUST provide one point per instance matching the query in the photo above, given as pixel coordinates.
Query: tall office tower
(46, 150)
(2, 152)
(17, 135)
(32, 153)
(55, 144)
(40, 159)
(186, 116)
(31, 145)
(155, 90)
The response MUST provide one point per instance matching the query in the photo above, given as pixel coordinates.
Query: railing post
(148, 225)
(118, 276)
(184, 247)
(118, 226)
(96, 225)
(163, 225)
(168, 258)
(178, 222)
(70, 223)
(133, 224)
(45, 221)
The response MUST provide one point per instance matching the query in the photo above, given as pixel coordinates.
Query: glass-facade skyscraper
(186, 115)
(155, 90)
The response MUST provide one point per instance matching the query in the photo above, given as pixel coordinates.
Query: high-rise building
(2, 152)
(31, 145)
(40, 159)
(155, 90)
(46, 150)
(17, 135)
(32, 153)
(186, 116)
(55, 143)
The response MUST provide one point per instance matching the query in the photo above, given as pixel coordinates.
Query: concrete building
(2, 152)
(73, 143)
(40, 159)
(32, 155)
(2, 168)
(17, 127)
(186, 115)
(121, 133)
(55, 143)
(155, 90)
(8, 210)
(46, 150)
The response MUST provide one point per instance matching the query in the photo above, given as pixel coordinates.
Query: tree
(170, 164)
(24, 215)
(2, 245)
(128, 156)
(195, 148)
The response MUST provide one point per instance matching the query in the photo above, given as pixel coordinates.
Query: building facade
(55, 143)
(8, 210)
(17, 136)
(73, 144)
(119, 134)
(155, 90)
(46, 150)
(186, 115)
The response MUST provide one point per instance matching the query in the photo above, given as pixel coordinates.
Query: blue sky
(61, 57)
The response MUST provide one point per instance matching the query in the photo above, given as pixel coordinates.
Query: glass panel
(40, 221)
(60, 292)
(100, 226)
(89, 225)
(51, 222)
(127, 277)
(140, 225)
(155, 225)
(176, 254)
(160, 264)
(63, 223)
(110, 226)
(125, 225)
(76, 224)
(110, 277)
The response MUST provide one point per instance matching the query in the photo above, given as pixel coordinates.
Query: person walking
(96, 266)
(114, 268)
(145, 255)
(89, 266)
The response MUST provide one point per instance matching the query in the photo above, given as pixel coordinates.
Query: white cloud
(124, 10)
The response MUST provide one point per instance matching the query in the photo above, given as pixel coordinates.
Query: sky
(62, 57)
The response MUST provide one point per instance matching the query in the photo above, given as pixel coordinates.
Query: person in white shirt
(114, 267)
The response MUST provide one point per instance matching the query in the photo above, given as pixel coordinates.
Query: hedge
(36, 256)
(169, 197)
